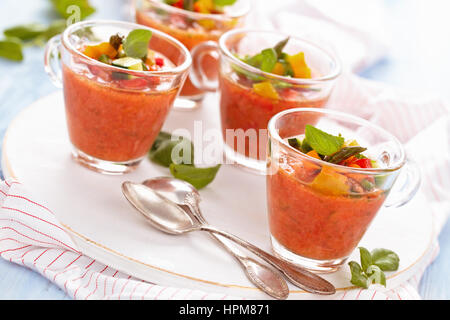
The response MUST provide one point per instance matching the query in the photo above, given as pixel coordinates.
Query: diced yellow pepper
(92, 52)
(96, 51)
(204, 6)
(298, 64)
(108, 49)
(265, 89)
(278, 69)
(329, 182)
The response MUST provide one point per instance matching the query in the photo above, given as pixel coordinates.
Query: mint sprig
(324, 143)
(136, 43)
(372, 266)
(166, 146)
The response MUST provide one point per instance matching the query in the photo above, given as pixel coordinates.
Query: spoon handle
(267, 279)
(302, 278)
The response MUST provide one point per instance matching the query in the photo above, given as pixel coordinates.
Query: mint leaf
(198, 177)
(366, 258)
(223, 3)
(324, 143)
(376, 275)
(386, 260)
(164, 147)
(61, 6)
(269, 59)
(26, 31)
(358, 277)
(136, 43)
(11, 49)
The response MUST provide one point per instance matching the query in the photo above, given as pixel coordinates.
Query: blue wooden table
(418, 60)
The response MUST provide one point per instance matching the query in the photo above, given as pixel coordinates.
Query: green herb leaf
(269, 59)
(344, 153)
(324, 143)
(223, 3)
(61, 7)
(198, 177)
(136, 43)
(11, 49)
(26, 31)
(386, 260)
(165, 146)
(376, 275)
(366, 258)
(358, 277)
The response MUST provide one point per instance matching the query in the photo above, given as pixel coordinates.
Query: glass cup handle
(52, 61)
(197, 74)
(406, 186)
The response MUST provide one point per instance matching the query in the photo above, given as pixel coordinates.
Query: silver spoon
(183, 193)
(170, 218)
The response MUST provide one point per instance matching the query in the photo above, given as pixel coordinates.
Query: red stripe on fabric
(54, 260)
(146, 291)
(96, 282)
(40, 241)
(373, 296)
(31, 201)
(87, 285)
(156, 297)
(63, 271)
(134, 289)
(123, 287)
(343, 296)
(33, 216)
(74, 261)
(9, 250)
(357, 296)
(90, 264)
(34, 262)
(114, 283)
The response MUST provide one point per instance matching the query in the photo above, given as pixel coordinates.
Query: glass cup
(113, 114)
(246, 111)
(191, 28)
(319, 211)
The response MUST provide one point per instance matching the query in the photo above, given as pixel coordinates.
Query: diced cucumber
(295, 142)
(129, 63)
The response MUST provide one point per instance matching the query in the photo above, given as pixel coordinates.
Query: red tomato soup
(113, 121)
(243, 108)
(315, 217)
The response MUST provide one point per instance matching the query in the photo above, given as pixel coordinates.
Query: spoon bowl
(170, 218)
(162, 214)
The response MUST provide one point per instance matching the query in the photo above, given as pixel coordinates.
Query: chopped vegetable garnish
(130, 53)
(201, 6)
(332, 149)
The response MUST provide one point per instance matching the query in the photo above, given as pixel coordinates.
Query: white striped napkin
(30, 234)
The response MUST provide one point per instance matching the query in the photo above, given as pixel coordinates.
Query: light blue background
(417, 60)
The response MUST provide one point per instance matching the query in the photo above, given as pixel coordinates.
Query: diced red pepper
(179, 4)
(364, 163)
(159, 62)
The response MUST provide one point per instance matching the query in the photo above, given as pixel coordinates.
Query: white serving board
(91, 207)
